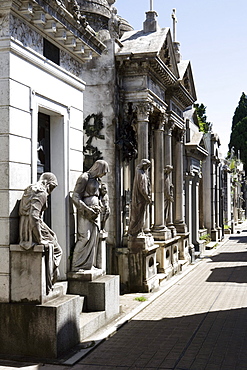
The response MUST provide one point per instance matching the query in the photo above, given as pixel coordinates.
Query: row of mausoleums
(79, 84)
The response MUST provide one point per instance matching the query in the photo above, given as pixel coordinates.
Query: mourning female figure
(141, 197)
(86, 197)
(34, 231)
(168, 191)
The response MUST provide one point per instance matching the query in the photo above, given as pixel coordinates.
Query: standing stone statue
(141, 197)
(86, 197)
(168, 191)
(34, 231)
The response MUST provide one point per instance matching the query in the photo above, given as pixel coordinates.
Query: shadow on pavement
(230, 257)
(214, 340)
(236, 274)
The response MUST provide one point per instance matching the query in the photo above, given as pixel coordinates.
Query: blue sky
(212, 35)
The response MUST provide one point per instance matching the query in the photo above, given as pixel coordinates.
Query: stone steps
(90, 322)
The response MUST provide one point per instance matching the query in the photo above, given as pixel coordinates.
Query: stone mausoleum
(78, 85)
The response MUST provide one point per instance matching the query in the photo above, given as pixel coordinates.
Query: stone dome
(124, 26)
(97, 12)
(100, 7)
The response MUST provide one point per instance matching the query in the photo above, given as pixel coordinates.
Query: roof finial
(175, 20)
(151, 5)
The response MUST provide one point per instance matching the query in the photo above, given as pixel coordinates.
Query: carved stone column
(179, 194)
(169, 126)
(159, 221)
(217, 201)
(143, 110)
(195, 202)
(188, 216)
(214, 235)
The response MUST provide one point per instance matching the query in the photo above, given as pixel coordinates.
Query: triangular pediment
(186, 77)
(202, 143)
(167, 55)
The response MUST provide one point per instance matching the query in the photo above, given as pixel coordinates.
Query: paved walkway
(199, 323)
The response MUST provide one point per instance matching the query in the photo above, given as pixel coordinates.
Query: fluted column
(179, 193)
(169, 126)
(188, 208)
(159, 216)
(214, 235)
(143, 110)
(195, 231)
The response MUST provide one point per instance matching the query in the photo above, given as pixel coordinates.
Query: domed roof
(100, 7)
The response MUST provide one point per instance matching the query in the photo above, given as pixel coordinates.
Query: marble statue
(168, 191)
(86, 197)
(34, 231)
(141, 198)
(105, 208)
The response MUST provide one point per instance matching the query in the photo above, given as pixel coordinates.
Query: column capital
(169, 126)
(159, 121)
(143, 110)
(179, 134)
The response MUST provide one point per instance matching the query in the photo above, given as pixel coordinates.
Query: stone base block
(102, 294)
(142, 265)
(162, 234)
(42, 331)
(151, 284)
(168, 256)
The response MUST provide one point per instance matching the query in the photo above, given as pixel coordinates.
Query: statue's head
(145, 164)
(168, 168)
(49, 180)
(99, 168)
(103, 189)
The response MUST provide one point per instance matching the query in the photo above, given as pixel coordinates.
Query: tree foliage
(204, 126)
(240, 111)
(238, 139)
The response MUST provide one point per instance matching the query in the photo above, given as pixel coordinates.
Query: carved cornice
(164, 73)
(52, 20)
(181, 94)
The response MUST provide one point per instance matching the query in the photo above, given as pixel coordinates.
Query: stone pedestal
(101, 292)
(184, 248)
(142, 264)
(35, 324)
(165, 234)
(42, 331)
(168, 256)
(28, 279)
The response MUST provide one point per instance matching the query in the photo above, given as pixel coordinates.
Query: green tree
(240, 111)
(238, 138)
(204, 126)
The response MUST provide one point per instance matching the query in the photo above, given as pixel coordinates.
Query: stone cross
(151, 5)
(175, 20)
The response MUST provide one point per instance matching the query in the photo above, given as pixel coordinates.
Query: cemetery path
(199, 323)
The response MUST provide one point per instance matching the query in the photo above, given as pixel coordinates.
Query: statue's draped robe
(140, 200)
(168, 194)
(33, 230)
(85, 253)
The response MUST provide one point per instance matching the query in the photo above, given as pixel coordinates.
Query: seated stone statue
(34, 231)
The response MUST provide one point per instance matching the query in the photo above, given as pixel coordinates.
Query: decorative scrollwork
(93, 124)
(126, 140)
